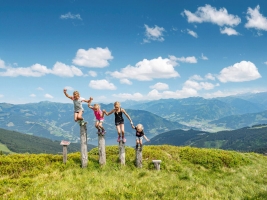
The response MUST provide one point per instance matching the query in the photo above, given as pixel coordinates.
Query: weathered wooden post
(122, 152)
(84, 153)
(101, 149)
(65, 151)
(157, 164)
(138, 157)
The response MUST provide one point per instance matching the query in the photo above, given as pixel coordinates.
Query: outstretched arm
(122, 110)
(108, 113)
(146, 138)
(89, 102)
(66, 94)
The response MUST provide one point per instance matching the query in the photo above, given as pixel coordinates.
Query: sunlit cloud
(48, 96)
(255, 19)
(97, 58)
(203, 57)
(160, 86)
(147, 70)
(125, 81)
(102, 85)
(239, 72)
(228, 31)
(33, 95)
(210, 14)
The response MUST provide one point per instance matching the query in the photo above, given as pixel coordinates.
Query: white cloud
(36, 70)
(196, 77)
(190, 84)
(209, 76)
(228, 31)
(265, 63)
(48, 96)
(92, 73)
(184, 93)
(155, 34)
(2, 64)
(239, 72)
(101, 85)
(256, 19)
(136, 96)
(98, 57)
(32, 95)
(61, 69)
(126, 81)
(204, 57)
(1, 96)
(190, 59)
(39, 88)
(212, 15)
(192, 33)
(147, 70)
(160, 86)
(70, 16)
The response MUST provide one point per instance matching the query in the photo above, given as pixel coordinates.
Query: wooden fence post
(122, 152)
(101, 149)
(138, 157)
(157, 164)
(84, 153)
(65, 151)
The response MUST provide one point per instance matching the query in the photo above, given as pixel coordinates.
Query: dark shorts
(119, 122)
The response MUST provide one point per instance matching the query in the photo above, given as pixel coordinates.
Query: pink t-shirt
(98, 114)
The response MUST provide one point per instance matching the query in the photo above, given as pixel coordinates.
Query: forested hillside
(23, 143)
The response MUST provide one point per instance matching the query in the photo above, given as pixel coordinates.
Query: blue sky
(137, 50)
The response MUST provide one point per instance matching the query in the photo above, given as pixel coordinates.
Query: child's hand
(133, 126)
(65, 90)
(91, 98)
(148, 140)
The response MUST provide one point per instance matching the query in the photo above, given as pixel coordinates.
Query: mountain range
(54, 120)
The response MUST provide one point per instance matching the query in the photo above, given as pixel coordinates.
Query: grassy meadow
(186, 173)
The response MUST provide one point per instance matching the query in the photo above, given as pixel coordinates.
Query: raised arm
(122, 110)
(89, 102)
(66, 94)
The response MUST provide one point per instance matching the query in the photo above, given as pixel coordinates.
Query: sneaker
(103, 132)
(119, 139)
(124, 139)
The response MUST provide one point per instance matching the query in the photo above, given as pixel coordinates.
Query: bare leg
(96, 125)
(79, 116)
(75, 117)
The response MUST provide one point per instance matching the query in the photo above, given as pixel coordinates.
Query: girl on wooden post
(99, 115)
(139, 135)
(78, 109)
(119, 121)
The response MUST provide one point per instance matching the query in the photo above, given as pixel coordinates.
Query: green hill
(186, 173)
(248, 139)
(11, 141)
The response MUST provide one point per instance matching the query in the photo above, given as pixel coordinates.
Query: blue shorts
(139, 138)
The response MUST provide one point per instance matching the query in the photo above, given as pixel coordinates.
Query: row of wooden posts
(102, 151)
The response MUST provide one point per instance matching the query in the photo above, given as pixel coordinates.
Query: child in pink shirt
(99, 115)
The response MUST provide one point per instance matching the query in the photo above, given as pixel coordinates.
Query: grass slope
(186, 173)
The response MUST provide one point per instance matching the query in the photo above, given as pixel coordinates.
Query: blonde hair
(140, 126)
(76, 92)
(97, 106)
(117, 103)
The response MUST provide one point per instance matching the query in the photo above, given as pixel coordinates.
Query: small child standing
(119, 121)
(78, 109)
(99, 115)
(139, 135)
